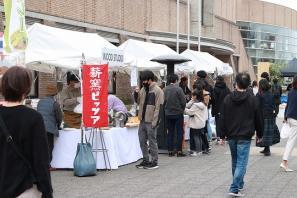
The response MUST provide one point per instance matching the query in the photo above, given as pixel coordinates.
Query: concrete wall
(264, 12)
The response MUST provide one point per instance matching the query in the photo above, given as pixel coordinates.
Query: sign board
(262, 67)
(95, 94)
(134, 76)
(15, 34)
(113, 57)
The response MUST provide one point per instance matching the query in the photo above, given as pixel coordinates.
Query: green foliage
(275, 71)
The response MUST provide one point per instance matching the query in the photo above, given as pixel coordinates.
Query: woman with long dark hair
(267, 105)
(291, 118)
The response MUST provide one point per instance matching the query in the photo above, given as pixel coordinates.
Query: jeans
(175, 122)
(240, 155)
(195, 139)
(209, 131)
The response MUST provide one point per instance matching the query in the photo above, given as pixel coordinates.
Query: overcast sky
(288, 3)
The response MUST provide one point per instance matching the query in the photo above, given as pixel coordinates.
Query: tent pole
(189, 23)
(177, 26)
(199, 25)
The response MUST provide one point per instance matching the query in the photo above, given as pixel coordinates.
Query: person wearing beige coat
(197, 110)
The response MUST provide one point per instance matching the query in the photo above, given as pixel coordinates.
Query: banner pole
(83, 61)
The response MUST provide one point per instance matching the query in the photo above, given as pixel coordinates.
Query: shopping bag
(286, 130)
(84, 163)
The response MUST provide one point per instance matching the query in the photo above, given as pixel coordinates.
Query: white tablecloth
(122, 144)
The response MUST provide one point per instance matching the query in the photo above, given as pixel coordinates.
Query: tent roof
(205, 61)
(291, 69)
(51, 47)
(139, 53)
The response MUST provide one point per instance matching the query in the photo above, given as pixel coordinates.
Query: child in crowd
(197, 110)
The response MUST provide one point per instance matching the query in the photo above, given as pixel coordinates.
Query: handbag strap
(10, 141)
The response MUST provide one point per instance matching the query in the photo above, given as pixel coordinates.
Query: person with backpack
(276, 90)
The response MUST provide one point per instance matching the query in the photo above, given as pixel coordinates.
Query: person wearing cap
(51, 113)
(70, 98)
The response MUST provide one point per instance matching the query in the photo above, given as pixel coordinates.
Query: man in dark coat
(219, 93)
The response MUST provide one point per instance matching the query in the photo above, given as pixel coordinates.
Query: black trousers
(276, 109)
(50, 140)
(217, 119)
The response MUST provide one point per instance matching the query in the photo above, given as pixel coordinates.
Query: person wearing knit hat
(52, 115)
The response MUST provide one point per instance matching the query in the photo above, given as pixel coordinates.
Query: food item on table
(134, 120)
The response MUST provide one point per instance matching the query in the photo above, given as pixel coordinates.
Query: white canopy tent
(139, 54)
(204, 61)
(51, 47)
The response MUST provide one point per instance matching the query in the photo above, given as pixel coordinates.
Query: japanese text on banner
(95, 85)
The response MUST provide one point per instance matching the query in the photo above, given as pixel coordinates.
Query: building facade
(235, 31)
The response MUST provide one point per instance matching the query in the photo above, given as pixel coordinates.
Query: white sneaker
(193, 154)
(238, 194)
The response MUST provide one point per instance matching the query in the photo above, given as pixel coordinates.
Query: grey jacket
(154, 102)
(175, 101)
(51, 114)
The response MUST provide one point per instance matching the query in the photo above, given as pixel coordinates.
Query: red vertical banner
(95, 93)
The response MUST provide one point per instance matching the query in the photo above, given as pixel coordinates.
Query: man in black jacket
(219, 93)
(175, 104)
(240, 118)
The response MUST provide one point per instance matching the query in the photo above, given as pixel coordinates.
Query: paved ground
(202, 176)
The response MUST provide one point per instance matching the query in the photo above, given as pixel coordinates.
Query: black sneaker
(152, 165)
(181, 154)
(142, 164)
(171, 153)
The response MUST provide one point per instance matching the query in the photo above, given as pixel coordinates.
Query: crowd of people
(26, 138)
(247, 111)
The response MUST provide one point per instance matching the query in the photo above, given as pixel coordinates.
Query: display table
(122, 145)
